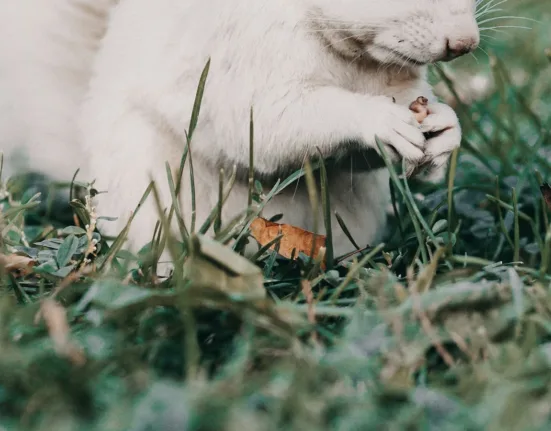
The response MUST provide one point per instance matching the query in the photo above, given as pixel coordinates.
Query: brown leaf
(293, 238)
(546, 192)
(17, 264)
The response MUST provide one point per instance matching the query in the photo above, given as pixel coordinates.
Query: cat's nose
(458, 47)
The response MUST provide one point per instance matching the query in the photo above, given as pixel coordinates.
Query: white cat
(320, 75)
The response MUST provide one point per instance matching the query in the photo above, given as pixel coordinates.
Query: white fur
(47, 49)
(316, 72)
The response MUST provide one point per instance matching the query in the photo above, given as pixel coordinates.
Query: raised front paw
(443, 132)
(400, 133)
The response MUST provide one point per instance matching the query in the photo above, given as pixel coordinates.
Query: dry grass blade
(55, 317)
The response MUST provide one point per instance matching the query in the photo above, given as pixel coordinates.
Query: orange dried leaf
(293, 238)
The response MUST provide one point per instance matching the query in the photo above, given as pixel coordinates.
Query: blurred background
(522, 41)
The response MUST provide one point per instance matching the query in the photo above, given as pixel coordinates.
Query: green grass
(447, 326)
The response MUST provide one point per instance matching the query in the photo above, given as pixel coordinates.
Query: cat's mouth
(407, 59)
(387, 55)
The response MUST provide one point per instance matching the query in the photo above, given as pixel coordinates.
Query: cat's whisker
(496, 28)
(496, 18)
(489, 7)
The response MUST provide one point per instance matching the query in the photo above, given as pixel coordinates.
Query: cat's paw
(443, 132)
(400, 133)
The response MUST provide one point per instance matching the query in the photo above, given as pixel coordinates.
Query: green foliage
(446, 326)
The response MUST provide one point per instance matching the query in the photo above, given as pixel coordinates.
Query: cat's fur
(47, 49)
(319, 74)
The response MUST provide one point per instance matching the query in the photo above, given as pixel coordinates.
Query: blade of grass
(397, 183)
(344, 228)
(326, 206)
(214, 213)
(415, 208)
(175, 191)
(165, 237)
(396, 211)
(314, 203)
(219, 204)
(265, 248)
(198, 101)
(521, 216)
(500, 218)
(119, 240)
(71, 187)
(189, 135)
(271, 261)
(295, 176)
(451, 182)
(354, 269)
(256, 212)
(175, 208)
(543, 204)
(192, 189)
(231, 228)
(516, 257)
(545, 257)
(251, 159)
